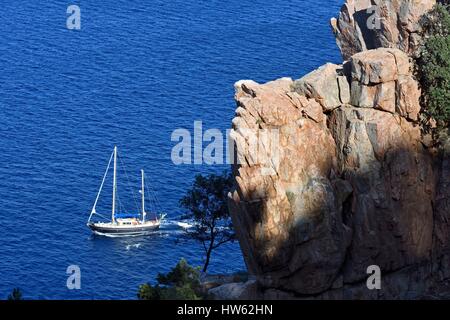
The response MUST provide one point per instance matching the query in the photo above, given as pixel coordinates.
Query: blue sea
(135, 72)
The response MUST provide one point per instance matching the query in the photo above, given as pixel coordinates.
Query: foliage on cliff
(206, 203)
(434, 66)
(181, 283)
(16, 294)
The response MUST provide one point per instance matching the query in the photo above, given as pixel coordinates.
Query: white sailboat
(123, 224)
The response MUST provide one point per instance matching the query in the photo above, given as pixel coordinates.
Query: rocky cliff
(369, 24)
(352, 181)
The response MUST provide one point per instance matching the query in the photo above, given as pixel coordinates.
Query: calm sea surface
(136, 71)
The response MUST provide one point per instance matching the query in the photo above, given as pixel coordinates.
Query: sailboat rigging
(123, 224)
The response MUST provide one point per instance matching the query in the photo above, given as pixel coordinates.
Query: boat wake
(129, 246)
(179, 224)
(183, 225)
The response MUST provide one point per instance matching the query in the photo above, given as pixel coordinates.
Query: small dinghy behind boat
(123, 224)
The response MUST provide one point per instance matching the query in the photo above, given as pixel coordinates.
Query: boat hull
(123, 231)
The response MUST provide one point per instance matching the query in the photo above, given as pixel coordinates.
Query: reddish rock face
(346, 182)
(278, 212)
(381, 79)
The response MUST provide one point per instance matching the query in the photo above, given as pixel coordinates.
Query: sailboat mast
(93, 211)
(143, 196)
(114, 186)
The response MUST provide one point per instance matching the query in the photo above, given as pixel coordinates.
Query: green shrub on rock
(434, 66)
(181, 283)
